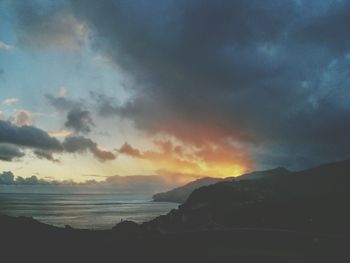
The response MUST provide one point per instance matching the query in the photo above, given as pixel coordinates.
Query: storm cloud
(269, 76)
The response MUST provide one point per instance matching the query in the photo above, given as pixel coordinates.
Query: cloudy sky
(185, 88)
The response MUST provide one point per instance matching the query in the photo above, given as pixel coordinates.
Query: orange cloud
(129, 150)
(208, 154)
(60, 133)
(200, 133)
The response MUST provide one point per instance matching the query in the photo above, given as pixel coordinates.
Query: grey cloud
(329, 29)
(256, 69)
(32, 180)
(6, 177)
(138, 183)
(75, 144)
(62, 103)
(79, 120)
(27, 136)
(54, 28)
(9, 152)
(13, 137)
(45, 155)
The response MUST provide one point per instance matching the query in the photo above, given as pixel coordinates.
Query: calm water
(79, 207)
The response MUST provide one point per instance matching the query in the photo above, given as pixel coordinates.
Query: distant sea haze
(79, 207)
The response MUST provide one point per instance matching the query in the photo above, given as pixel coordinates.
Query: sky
(181, 89)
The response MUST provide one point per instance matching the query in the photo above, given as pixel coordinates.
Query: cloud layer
(267, 80)
(13, 137)
(135, 183)
(270, 75)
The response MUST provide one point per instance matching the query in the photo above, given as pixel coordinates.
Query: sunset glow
(175, 130)
(128, 92)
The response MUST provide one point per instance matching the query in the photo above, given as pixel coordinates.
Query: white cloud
(5, 46)
(62, 92)
(54, 30)
(22, 118)
(10, 101)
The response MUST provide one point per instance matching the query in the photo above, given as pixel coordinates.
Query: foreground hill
(26, 240)
(180, 194)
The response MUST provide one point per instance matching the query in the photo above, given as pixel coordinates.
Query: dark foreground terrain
(284, 217)
(26, 240)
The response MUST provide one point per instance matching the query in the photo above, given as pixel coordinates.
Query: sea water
(79, 207)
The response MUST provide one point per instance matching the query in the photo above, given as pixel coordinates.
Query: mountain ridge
(315, 199)
(181, 193)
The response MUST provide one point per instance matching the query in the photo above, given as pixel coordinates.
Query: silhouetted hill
(180, 194)
(315, 200)
(262, 174)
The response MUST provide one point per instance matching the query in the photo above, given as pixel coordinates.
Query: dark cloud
(270, 75)
(32, 180)
(127, 149)
(12, 137)
(329, 29)
(9, 152)
(79, 120)
(53, 28)
(27, 136)
(75, 144)
(62, 103)
(257, 71)
(6, 178)
(45, 155)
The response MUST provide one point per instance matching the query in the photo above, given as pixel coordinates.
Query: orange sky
(208, 154)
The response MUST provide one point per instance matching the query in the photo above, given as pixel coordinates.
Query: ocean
(79, 207)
